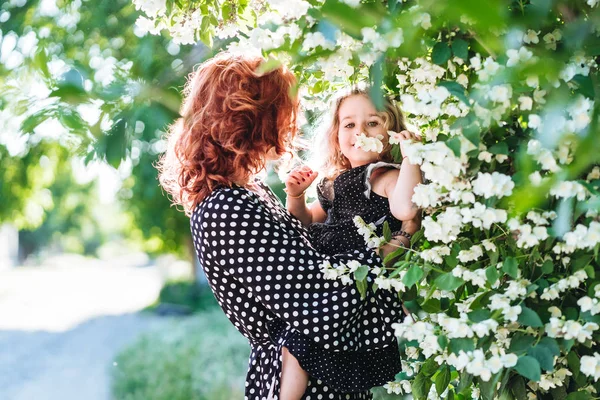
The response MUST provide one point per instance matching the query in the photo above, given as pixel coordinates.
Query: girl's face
(357, 115)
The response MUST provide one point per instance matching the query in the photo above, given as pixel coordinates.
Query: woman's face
(357, 115)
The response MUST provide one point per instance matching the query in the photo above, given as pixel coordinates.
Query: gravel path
(62, 325)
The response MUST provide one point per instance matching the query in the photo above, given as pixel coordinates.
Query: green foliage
(188, 293)
(200, 358)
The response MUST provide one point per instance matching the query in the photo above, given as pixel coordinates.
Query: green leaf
(488, 389)
(448, 282)
(116, 143)
(543, 356)
(511, 267)
(499, 148)
(479, 315)
(529, 368)
(441, 53)
(530, 318)
(429, 367)
(454, 145)
(421, 386)
(392, 256)
(455, 89)
(590, 271)
(492, 275)
(361, 272)
(548, 267)
(362, 287)
(574, 363)
(581, 395)
(517, 387)
(387, 232)
(414, 275)
(460, 48)
(520, 343)
(442, 379)
(417, 236)
(464, 344)
(586, 86)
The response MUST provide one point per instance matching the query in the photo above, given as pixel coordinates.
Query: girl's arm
(295, 185)
(402, 190)
(307, 214)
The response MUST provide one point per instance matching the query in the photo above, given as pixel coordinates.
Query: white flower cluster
(368, 143)
(474, 253)
(400, 387)
(554, 379)
(590, 366)
(421, 331)
(368, 232)
(476, 277)
(340, 271)
(569, 329)
(571, 282)
(435, 254)
(582, 237)
(461, 328)
(494, 184)
(589, 304)
(527, 235)
(475, 363)
(567, 189)
(380, 43)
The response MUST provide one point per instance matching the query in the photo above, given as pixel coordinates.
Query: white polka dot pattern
(265, 275)
(343, 199)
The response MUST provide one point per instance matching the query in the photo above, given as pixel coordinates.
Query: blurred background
(100, 295)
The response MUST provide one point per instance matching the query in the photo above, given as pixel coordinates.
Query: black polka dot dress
(345, 197)
(265, 275)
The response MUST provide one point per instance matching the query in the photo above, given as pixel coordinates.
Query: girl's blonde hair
(331, 161)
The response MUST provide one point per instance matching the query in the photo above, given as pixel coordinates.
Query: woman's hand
(299, 180)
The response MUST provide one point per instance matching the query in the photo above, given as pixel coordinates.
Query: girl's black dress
(349, 195)
(265, 274)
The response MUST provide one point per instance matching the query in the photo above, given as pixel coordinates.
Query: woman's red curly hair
(231, 117)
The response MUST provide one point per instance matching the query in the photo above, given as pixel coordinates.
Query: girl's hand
(405, 135)
(299, 180)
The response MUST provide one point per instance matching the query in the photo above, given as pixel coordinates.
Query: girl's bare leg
(293, 378)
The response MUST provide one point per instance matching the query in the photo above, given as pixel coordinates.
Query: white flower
(500, 93)
(313, 40)
(555, 312)
(531, 37)
(494, 184)
(435, 254)
(152, 8)
(512, 313)
(509, 360)
(462, 80)
(367, 143)
(526, 103)
(424, 20)
(532, 81)
(518, 56)
(535, 122)
(472, 254)
(590, 366)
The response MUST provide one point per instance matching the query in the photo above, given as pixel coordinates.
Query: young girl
(360, 178)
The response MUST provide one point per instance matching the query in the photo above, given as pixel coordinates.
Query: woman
(256, 256)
